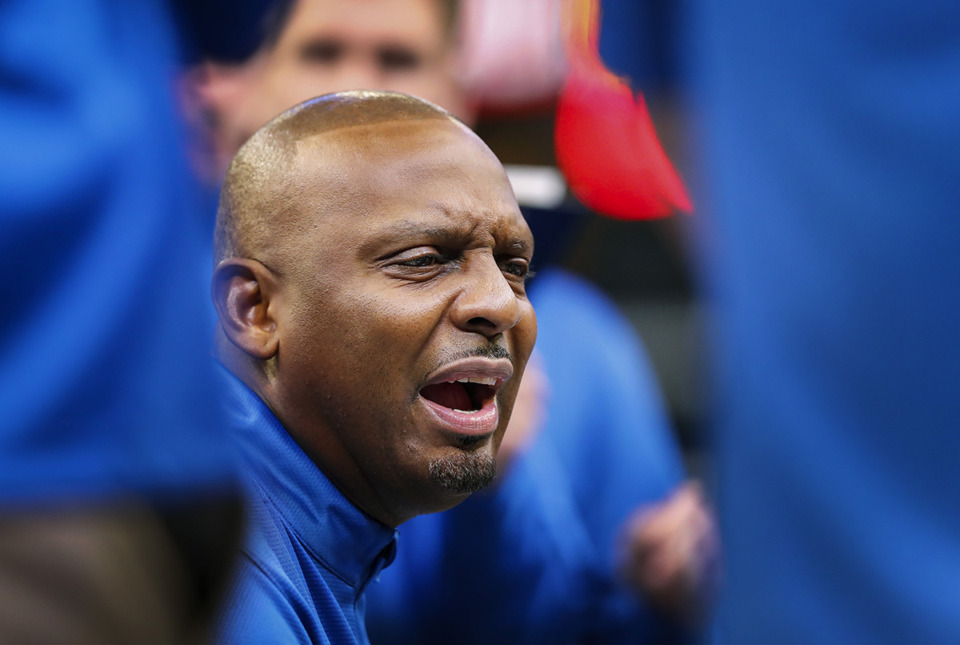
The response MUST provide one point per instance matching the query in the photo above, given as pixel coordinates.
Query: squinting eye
(519, 269)
(420, 261)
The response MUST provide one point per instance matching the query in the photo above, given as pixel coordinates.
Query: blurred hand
(529, 413)
(671, 554)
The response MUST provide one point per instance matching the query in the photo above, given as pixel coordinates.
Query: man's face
(336, 45)
(407, 279)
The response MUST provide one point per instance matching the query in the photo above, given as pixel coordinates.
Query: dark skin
(398, 263)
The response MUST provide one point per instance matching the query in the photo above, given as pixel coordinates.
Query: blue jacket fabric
(309, 554)
(105, 382)
(832, 147)
(532, 561)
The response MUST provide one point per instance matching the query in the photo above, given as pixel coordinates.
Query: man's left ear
(244, 294)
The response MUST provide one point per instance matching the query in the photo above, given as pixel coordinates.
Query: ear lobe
(242, 291)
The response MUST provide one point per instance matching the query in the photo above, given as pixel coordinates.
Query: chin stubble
(464, 472)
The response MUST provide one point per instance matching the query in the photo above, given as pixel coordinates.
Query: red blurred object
(606, 144)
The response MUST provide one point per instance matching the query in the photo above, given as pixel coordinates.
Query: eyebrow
(517, 246)
(444, 234)
(409, 228)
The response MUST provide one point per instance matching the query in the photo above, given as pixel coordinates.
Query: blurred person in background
(830, 150)
(589, 462)
(326, 46)
(118, 506)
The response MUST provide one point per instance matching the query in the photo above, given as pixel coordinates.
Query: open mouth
(463, 395)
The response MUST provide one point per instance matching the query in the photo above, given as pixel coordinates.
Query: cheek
(379, 333)
(399, 315)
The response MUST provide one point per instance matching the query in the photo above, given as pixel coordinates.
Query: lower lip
(474, 424)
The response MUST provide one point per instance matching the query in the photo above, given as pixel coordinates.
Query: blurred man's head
(328, 46)
(371, 260)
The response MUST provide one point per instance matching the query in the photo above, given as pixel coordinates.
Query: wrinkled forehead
(403, 157)
(401, 139)
(425, 171)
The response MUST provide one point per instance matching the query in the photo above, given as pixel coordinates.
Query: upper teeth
(478, 379)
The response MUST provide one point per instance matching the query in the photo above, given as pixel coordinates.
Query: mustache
(493, 350)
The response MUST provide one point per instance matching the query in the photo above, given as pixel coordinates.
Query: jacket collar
(348, 541)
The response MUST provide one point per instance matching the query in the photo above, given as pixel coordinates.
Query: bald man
(527, 555)
(371, 260)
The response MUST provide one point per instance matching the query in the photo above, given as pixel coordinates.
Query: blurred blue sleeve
(831, 146)
(609, 425)
(107, 387)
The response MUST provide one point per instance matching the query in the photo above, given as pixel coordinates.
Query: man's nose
(486, 303)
